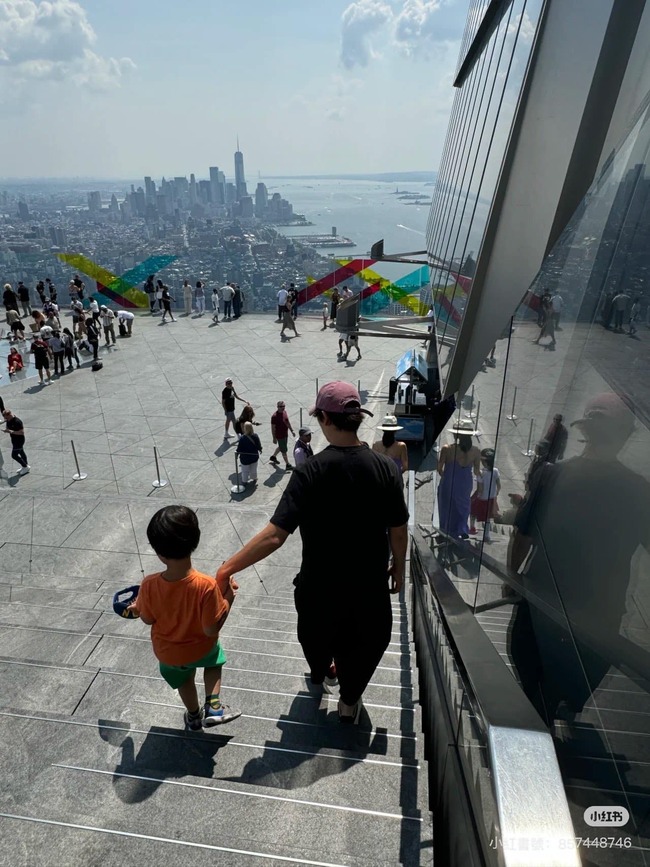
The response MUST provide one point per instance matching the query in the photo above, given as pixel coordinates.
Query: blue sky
(120, 88)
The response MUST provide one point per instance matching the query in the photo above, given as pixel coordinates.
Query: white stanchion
(158, 482)
(78, 476)
(530, 452)
(512, 416)
(238, 488)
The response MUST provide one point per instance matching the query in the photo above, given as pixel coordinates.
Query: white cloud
(359, 21)
(52, 40)
(418, 25)
(414, 27)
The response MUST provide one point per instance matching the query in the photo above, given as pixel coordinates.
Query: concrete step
(108, 774)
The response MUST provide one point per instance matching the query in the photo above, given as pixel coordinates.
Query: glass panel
(556, 559)
(473, 157)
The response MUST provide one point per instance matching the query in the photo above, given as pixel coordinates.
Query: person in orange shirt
(186, 610)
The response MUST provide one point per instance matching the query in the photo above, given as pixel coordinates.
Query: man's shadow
(161, 757)
(312, 745)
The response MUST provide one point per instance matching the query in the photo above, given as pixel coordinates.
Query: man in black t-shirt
(228, 396)
(14, 427)
(41, 352)
(342, 593)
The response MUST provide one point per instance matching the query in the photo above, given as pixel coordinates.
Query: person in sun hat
(342, 591)
(455, 465)
(392, 447)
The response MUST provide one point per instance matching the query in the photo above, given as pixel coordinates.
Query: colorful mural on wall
(382, 289)
(114, 289)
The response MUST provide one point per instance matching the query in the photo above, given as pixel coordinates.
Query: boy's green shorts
(176, 675)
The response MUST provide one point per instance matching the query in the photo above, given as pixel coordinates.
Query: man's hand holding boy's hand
(231, 591)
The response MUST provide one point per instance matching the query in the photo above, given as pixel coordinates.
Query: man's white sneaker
(24, 470)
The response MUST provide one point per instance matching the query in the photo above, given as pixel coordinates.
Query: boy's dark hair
(174, 532)
(346, 421)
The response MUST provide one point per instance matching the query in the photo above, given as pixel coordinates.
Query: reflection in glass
(561, 580)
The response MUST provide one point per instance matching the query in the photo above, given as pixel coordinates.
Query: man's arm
(273, 435)
(398, 537)
(228, 596)
(266, 542)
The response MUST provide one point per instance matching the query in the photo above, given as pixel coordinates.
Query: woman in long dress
(456, 463)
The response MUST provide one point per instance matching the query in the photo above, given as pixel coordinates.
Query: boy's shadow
(136, 777)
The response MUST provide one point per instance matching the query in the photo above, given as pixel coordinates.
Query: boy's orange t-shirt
(180, 610)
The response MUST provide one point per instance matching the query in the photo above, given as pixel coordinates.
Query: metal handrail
(528, 801)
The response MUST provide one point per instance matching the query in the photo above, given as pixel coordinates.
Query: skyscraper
(95, 201)
(240, 180)
(150, 190)
(261, 199)
(215, 187)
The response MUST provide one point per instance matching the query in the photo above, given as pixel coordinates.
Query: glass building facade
(475, 145)
(547, 535)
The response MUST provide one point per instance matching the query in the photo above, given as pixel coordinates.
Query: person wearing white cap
(455, 465)
(391, 447)
(302, 450)
(342, 593)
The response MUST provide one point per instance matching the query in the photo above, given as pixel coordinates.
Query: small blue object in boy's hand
(124, 598)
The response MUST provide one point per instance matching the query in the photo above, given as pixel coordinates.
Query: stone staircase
(97, 767)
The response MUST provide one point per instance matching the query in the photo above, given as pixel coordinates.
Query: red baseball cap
(338, 397)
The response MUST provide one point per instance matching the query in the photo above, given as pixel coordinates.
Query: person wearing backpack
(92, 333)
(249, 449)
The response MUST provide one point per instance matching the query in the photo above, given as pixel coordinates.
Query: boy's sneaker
(193, 722)
(219, 715)
(24, 470)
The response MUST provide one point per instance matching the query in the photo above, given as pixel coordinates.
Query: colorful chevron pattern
(118, 290)
(388, 291)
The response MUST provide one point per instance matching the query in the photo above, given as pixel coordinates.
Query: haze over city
(118, 89)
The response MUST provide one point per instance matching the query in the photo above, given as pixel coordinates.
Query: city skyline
(336, 89)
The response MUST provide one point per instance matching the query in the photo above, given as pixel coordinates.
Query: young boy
(186, 610)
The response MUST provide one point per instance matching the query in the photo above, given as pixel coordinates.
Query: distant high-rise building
(240, 179)
(261, 200)
(231, 194)
(95, 201)
(140, 207)
(217, 198)
(222, 188)
(59, 237)
(205, 192)
(247, 209)
(193, 190)
(23, 211)
(150, 190)
(181, 186)
(114, 208)
(162, 203)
